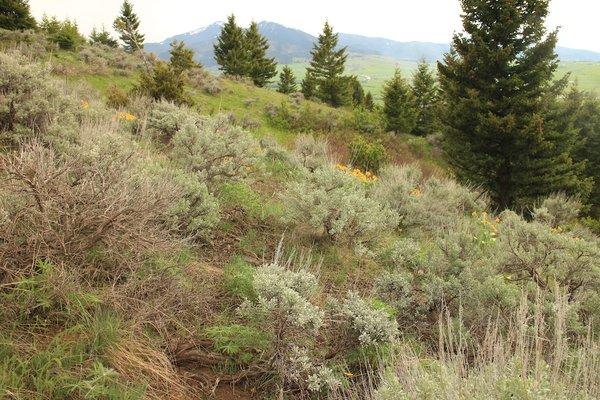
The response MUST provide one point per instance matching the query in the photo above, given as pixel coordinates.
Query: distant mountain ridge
(289, 44)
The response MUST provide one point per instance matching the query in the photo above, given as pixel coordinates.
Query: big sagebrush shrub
(165, 119)
(337, 204)
(425, 203)
(34, 105)
(215, 150)
(310, 152)
(283, 306)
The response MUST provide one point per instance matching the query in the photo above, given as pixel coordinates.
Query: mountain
(289, 44)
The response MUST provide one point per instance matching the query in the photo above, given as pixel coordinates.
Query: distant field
(373, 71)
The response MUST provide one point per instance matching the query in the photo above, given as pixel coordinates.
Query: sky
(402, 20)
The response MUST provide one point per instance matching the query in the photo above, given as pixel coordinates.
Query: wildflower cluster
(489, 227)
(365, 177)
(125, 116)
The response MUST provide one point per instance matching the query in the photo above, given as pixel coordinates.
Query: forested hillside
(171, 233)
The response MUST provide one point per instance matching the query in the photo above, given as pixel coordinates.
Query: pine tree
(127, 25)
(103, 37)
(230, 51)
(586, 108)
(16, 15)
(64, 33)
(368, 102)
(309, 85)
(425, 91)
(327, 68)
(182, 58)
(358, 93)
(287, 81)
(503, 132)
(261, 69)
(399, 107)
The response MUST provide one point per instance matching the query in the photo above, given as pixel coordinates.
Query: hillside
(239, 247)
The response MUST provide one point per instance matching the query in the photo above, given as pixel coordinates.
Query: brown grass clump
(138, 360)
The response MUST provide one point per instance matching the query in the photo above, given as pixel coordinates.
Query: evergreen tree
(358, 93)
(64, 33)
(261, 69)
(399, 107)
(164, 82)
(502, 129)
(16, 15)
(368, 102)
(182, 58)
(426, 96)
(127, 25)
(103, 37)
(309, 85)
(287, 81)
(230, 51)
(327, 68)
(586, 108)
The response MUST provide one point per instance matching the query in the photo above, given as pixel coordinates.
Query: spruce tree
(425, 92)
(127, 25)
(182, 58)
(327, 68)
(398, 105)
(309, 85)
(103, 37)
(230, 49)
(16, 15)
(261, 69)
(586, 108)
(358, 93)
(287, 81)
(502, 130)
(368, 102)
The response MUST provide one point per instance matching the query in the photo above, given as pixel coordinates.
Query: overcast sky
(403, 20)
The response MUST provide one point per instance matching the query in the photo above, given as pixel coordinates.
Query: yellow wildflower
(416, 192)
(85, 105)
(125, 116)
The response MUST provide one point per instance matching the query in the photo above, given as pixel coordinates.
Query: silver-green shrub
(35, 105)
(310, 153)
(304, 372)
(425, 203)
(100, 58)
(370, 326)
(557, 210)
(284, 298)
(215, 150)
(338, 205)
(165, 119)
(548, 256)
(194, 212)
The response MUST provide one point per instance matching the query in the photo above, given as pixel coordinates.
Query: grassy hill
(229, 249)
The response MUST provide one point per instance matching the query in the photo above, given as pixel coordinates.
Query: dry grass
(139, 360)
(534, 359)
